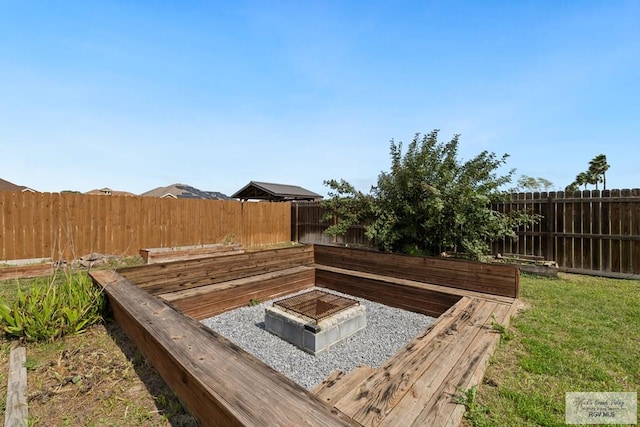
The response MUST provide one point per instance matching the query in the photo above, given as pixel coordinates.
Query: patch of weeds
(474, 410)
(505, 335)
(53, 308)
(254, 302)
(31, 364)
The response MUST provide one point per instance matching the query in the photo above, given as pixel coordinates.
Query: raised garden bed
(25, 268)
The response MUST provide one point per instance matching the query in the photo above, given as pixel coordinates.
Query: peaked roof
(183, 191)
(106, 191)
(10, 186)
(274, 192)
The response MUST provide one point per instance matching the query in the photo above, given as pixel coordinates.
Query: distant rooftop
(10, 186)
(183, 191)
(255, 190)
(109, 192)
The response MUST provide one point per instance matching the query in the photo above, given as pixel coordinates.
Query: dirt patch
(96, 378)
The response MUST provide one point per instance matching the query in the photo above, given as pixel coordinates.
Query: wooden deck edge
(218, 382)
(337, 384)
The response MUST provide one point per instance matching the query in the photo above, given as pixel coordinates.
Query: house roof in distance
(255, 190)
(183, 191)
(106, 191)
(10, 186)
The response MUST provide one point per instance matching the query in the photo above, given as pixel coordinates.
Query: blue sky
(133, 95)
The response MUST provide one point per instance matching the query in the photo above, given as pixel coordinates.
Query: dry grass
(96, 378)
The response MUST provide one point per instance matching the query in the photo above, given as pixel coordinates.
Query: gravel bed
(387, 330)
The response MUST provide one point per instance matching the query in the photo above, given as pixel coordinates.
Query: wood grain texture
(452, 370)
(16, 410)
(376, 397)
(181, 253)
(221, 384)
(338, 384)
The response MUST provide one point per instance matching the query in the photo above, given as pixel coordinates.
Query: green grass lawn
(577, 333)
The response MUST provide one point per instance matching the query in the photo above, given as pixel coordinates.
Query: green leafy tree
(430, 201)
(528, 183)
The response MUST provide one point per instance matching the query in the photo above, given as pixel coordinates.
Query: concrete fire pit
(315, 320)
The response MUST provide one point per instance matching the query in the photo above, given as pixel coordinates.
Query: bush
(53, 308)
(430, 201)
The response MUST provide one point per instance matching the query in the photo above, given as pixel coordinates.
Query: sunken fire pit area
(159, 307)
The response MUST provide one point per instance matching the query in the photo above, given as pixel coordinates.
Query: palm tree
(583, 178)
(598, 167)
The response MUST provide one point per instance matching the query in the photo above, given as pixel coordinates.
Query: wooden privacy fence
(590, 232)
(308, 226)
(587, 231)
(68, 225)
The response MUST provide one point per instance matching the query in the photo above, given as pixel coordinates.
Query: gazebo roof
(255, 190)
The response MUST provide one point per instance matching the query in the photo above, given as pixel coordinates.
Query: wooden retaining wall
(219, 383)
(222, 385)
(492, 279)
(175, 276)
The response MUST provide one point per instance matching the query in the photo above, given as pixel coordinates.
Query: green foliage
(52, 309)
(595, 174)
(474, 410)
(430, 202)
(254, 302)
(500, 328)
(528, 183)
(579, 333)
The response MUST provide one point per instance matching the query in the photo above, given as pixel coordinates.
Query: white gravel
(387, 330)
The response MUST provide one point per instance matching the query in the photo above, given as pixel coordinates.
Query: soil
(97, 378)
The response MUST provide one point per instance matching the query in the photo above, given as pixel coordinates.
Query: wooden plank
(25, 271)
(625, 229)
(467, 372)
(389, 385)
(218, 382)
(181, 253)
(16, 409)
(338, 384)
(476, 276)
(389, 382)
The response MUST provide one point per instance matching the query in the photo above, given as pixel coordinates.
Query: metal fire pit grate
(316, 305)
